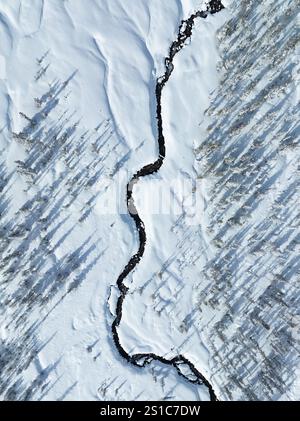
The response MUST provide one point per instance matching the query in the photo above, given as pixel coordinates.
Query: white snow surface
(217, 282)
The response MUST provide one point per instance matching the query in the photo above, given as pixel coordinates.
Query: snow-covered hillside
(218, 282)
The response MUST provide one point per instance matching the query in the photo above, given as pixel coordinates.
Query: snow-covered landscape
(149, 200)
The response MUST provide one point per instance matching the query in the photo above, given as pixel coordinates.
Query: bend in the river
(141, 360)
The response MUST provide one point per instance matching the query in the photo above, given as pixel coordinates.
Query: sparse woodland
(251, 161)
(36, 271)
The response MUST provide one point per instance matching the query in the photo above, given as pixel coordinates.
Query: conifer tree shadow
(37, 269)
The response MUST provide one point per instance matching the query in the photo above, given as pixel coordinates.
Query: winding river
(141, 360)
